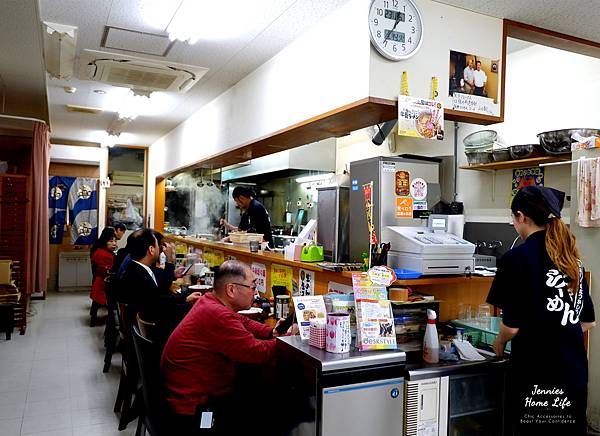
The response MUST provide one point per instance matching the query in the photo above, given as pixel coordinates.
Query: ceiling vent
(139, 74)
(59, 49)
(84, 109)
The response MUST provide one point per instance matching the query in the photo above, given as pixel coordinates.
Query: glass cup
(484, 317)
(465, 312)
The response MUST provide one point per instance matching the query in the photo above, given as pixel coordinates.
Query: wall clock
(396, 28)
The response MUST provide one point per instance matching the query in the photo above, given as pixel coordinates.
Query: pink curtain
(39, 247)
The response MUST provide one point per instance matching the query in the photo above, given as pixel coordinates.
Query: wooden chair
(147, 329)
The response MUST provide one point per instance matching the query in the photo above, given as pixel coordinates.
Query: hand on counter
(193, 297)
(292, 331)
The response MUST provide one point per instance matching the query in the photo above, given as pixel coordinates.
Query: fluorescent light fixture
(315, 178)
(209, 20)
(133, 105)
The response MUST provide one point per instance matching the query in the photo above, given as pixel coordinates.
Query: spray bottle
(431, 343)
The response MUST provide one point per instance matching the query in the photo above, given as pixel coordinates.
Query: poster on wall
(420, 118)
(473, 83)
(307, 282)
(260, 276)
(525, 177)
(282, 276)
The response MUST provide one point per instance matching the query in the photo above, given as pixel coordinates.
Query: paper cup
(338, 333)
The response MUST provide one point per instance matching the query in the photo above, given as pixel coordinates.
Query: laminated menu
(374, 319)
(309, 308)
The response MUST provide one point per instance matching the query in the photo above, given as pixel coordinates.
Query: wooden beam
(561, 41)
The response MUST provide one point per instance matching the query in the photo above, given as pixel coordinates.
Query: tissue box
(317, 334)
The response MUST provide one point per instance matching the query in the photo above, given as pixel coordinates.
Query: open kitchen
(399, 204)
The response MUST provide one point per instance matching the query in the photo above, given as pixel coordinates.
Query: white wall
(445, 28)
(316, 73)
(534, 103)
(78, 155)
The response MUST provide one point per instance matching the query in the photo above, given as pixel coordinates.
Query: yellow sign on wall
(282, 276)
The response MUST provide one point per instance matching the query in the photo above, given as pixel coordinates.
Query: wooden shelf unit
(518, 163)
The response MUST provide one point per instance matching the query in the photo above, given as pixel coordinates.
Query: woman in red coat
(102, 256)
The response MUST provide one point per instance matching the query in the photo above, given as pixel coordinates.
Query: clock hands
(393, 28)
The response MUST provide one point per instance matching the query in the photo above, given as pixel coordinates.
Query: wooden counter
(452, 290)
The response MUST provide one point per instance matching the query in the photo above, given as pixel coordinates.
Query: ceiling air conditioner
(59, 49)
(138, 73)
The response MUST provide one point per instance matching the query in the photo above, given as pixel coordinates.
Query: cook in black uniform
(546, 307)
(255, 217)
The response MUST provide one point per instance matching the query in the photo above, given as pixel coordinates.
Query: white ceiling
(279, 22)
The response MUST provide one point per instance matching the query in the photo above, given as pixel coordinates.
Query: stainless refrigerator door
(372, 408)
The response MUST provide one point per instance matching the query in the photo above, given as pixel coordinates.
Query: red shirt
(199, 358)
(102, 260)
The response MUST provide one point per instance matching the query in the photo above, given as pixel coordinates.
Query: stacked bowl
(479, 146)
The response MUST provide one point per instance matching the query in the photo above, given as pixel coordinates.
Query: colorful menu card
(374, 319)
(309, 308)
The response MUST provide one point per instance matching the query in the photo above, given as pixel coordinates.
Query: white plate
(199, 287)
(250, 311)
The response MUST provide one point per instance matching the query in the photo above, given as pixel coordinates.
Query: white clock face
(396, 28)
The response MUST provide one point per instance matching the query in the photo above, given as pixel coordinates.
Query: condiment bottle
(431, 343)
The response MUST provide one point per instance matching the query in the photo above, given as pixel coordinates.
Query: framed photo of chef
(474, 83)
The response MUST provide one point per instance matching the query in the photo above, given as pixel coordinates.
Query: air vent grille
(411, 412)
(137, 78)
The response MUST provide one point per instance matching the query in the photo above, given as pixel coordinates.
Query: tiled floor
(51, 380)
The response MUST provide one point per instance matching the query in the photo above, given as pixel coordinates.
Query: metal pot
(559, 141)
(478, 157)
(523, 151)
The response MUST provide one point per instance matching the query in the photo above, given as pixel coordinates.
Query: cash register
(429, 250)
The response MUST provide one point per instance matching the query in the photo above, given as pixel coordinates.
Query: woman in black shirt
(546, 307)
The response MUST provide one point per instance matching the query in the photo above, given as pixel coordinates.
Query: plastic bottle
(431, 343)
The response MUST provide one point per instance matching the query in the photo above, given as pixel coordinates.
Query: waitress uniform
(548, 362)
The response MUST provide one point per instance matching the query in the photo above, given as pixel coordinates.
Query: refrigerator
(405, 189)
(333, 214)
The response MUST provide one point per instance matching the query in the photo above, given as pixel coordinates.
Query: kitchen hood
(317, 156)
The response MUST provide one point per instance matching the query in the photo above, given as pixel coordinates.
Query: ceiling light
(99, 91)
(315, 178)
(70, 89)
(109, 140)
(133, 105)
(196, 20)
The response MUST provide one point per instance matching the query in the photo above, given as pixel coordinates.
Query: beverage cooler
(350, 394)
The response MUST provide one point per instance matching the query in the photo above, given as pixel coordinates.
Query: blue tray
(405, 274)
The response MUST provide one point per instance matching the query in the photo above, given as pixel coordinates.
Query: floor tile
(10, 427)
(46, 422)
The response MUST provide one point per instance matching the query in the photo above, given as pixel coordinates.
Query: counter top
(326, 362)
(270, 256)
(355, 359)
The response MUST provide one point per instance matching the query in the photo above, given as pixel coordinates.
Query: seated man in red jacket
(199, 359)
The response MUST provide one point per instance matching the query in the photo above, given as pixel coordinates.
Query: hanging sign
(281, 276)
(307, 282)
(260, 276)
(420, 118)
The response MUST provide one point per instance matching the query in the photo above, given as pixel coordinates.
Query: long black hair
(107, 234)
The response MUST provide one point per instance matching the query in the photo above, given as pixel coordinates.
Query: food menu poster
(307, 282)
(525, 177)
(420, 118)
(260, 276)
(282, 276)
(307, 309)
(411, 195)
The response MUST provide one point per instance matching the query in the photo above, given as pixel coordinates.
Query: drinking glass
(464, 312)
(484, 317)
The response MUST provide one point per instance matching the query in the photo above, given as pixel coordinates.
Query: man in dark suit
(145, 288)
